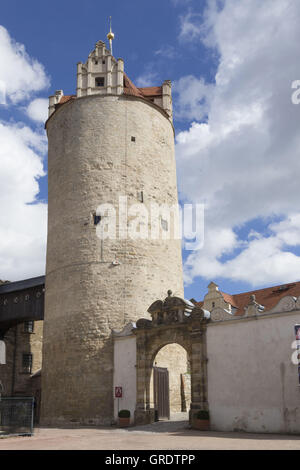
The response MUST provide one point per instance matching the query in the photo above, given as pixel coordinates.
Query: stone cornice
(125, 97)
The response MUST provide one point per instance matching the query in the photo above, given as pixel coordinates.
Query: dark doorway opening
(161, 393)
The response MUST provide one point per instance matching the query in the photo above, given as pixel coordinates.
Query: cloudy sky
(232, 64)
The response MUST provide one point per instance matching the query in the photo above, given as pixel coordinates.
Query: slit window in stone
(29, 326)
(27, 363)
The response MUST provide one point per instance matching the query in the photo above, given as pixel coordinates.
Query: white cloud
(191, 26)
(148, 78)
(20, 74)
(23, 220)
(37, 110)
(244, 162)
(193, 97)
(262, 260)
(167, 51)
(22, 224)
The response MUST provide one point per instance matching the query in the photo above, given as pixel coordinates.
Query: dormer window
(99, 81)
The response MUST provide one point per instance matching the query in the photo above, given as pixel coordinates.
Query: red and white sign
(118, 392)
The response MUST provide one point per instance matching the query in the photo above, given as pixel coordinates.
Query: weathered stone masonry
(93, 286)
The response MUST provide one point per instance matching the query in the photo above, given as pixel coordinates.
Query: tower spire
(110, 36)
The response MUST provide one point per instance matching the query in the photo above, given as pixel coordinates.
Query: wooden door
(161, 392)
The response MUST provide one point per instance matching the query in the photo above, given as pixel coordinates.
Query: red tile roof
(130, 88)
(66, 98)
(268, 297)
(145, 92)
(229, 299)
(151, 91)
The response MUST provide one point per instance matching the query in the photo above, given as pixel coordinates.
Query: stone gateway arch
(174, 320)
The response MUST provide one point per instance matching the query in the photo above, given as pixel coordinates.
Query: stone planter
(201, 424)
(124, 422)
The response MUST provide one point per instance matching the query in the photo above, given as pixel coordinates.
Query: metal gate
(16, 415)
(161, 393)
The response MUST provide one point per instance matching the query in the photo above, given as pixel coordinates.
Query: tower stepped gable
(102, 74)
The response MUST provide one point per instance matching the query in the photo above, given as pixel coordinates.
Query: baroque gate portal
(174, 320)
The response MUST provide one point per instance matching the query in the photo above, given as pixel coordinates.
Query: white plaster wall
(252, 383)
(125, 374)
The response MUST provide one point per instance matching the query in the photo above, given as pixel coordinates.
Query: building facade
(244, 363)
(111, 159)
(21, 338)
(251, 378)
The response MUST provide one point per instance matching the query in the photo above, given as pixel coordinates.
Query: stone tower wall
(93, 160)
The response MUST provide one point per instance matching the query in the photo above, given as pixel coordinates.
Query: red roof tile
(145, 92)
(66, 98)
(151, 91)
(268, 297)
(229, 299)
(130, 88)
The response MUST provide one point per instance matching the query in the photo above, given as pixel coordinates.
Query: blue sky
(232, 63)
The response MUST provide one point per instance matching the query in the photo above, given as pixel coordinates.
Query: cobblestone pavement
(164, 435)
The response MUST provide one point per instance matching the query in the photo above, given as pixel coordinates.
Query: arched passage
(174, 320)
(170, 393)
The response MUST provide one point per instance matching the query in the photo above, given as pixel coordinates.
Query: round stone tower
(111, 165)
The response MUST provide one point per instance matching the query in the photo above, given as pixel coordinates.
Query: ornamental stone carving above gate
(174, 320)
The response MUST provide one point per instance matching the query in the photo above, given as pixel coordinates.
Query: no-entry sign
(118, 392)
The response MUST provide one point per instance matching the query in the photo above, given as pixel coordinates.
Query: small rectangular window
(29, 326)
(132, 139)
(97, 219)
(27, 363)
(140, 196)
(99, 81)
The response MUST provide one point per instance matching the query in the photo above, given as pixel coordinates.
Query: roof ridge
(131, 86)
(291, 284)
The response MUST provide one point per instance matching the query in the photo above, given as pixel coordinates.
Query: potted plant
(124, 418)
(202, 420)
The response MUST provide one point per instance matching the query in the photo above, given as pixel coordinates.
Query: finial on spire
(110, 36)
